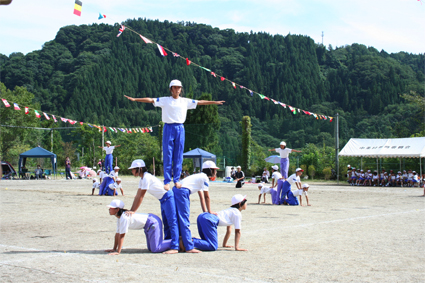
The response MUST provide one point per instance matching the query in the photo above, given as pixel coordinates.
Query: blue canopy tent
(37, 152)
(199, 156)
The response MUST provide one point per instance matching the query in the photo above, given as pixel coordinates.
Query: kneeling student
(137, 221)
(302, 192)
(207, 226)
(263, 191)
(117, 185)
(96, 185)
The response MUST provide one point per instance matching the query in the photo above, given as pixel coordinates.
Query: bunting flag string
(163, 52)
(72, 122)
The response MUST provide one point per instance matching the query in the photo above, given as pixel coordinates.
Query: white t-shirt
(230, 216)
(109, 149)
(174, 110)
(410, 176)
(134, 222)
(284, 153)
(153, 185)
(276, 176)
(266, 173)
(196, 182)
(113, 174)
(115, 186)
(293, 179)
(96, 185)
(265, 190)
(299, 193)
(375, 177)
(102, 174)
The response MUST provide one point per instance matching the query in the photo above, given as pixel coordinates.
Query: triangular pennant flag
(146, 130)
(122, 28)
(112, 129)
(212, 73)
(54, 118)
(150, 129)
(241, 86)
(143, 130)
(16, 106)
(145, 39)
(37, 114)
(5, 102)
(261, 96)
(64, 120)
(104, 129)
(274, 101)
(188, 61)
(176, 55)
(251, 93)
(101, 16)
(89, 125)
(222, 78)
(47, 116)
(283, 105)
(162, 50)
(234, 85)
(72, 122)
(330, 119)
(81, 123)
(205, 69)
(27, 110)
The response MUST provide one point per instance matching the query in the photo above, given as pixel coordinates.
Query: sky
(391, 25)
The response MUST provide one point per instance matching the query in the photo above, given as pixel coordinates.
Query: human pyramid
(175, 201)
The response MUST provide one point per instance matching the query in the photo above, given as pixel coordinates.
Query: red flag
(5, 102)
(81, 123)
(188, 61)
(162, 50)
(222, 78)
(104, 129)
(27, 111)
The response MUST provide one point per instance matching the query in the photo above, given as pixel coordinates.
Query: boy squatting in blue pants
(192, 184)
(207, 226)
(154, 186)
(287, 197)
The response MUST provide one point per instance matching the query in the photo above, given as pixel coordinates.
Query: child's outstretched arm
(137, 200)
(301, 200)
(116, 238)
(227, 236)
(237, 238)
(208, 102)
(308, 204)
(119, 239)
(144, 99)
(259, 198)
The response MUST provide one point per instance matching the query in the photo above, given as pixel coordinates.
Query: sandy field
(55, 231)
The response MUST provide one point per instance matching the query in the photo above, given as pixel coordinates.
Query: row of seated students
(407, 178)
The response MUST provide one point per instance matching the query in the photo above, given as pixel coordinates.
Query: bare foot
(171, 252)
(178, 185)
(167, 187)
(193, 251)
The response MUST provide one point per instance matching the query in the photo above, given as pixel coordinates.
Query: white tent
(385, 148)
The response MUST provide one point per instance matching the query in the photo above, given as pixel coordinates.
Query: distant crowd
(360, 177)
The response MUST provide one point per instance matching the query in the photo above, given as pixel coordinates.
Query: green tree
(246, 144)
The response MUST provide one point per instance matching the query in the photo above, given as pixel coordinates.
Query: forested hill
(85, 72)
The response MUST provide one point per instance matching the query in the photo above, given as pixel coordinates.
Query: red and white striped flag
(16, 106)
(47, 116)
(145, 39)
(54, 118)
(162, 50)
(64, 120)
(27, 111)
(122, 28)
(5, 102)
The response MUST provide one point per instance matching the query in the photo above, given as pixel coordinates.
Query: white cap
(209, 164)
(368, 170)
(306, 186)
(348, 165)
(299, 169)
(399, 172)
(108, 142)
(137, 164)
(118, 180)
(175, 83)
(237, 198)
(116, 203)
(94, 180)
(116, 167)
(99, 171)
(283, 143)
(238, 166)
(275, 167)
(261, 185)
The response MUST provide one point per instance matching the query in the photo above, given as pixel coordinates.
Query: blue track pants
(169, 219)
(172, 150)
(108, 163)
(284, 189)
(153, 232)
(207, 228)
(182, 199)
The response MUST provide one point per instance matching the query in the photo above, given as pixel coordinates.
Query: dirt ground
(55, 231)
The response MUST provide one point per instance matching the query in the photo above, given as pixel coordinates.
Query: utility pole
(322, 37)
(51, 140)
(337, 147)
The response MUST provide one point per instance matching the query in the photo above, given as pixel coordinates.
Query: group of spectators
(360, 177)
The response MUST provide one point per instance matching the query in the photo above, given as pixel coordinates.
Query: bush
(327, 172)
(311, 171)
